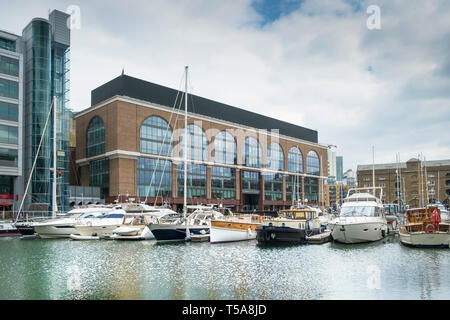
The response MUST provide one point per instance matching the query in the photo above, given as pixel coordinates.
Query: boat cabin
(421, 219)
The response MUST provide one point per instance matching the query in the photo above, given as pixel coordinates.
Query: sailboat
(199, 221)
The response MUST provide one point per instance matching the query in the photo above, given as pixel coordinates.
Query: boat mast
(185, 141)
(426, 184)
(54, 202)
(373, 170)
(419, 178)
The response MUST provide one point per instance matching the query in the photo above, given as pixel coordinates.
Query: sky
(316, 64)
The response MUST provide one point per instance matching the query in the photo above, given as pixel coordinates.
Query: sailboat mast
(54, 204)
(373, 170)
(185, 140)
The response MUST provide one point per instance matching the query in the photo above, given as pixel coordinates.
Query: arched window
(312, 163)
(95, 144)
(252, 153)
(295, 160)
(224, 148)
(156, 137)
(197, 143)
(275, 157)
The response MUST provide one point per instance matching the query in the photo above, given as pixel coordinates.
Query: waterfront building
(11, 120)
(405, 182)
(331, 165)
(130, 143)
(34, 67)
(349, 178)
(335, 195)
(339, 168)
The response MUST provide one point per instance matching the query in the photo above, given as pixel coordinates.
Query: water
(66, 269)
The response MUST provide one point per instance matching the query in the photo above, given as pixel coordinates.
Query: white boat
(361, 218)
(7, 229)
(101, 226)
(234, 228)
(65, 226)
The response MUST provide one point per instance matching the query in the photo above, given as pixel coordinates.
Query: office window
(225, 148)
(223, 183)
(312, 163)
(275, 157)
(95, 137)
(295, 160)
(156, 137)
(9, 111)
(8, 134)
(154, 177)
(196, 180)
(273, 187)
(196, 142)
(9, 66)
(8, 157)
(252, 153)
(7, 44)
(9, 89)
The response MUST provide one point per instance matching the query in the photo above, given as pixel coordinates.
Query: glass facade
(8, 157)
(9, 111)
(9, 66)
(197, 143)
(275, 157)
(156, 137)
(295, 160)
(38, 98)
(293, 188)
(196, 180)
(312, 189)
(252, 153)
(250, 182)
(6, 185)
(223, 183)
(9, 134)
(9, 89)
(154, 175)
(99, 176)
(7, 44)
(273, 186)
(95, 143)
(312, 163)
(225, 148)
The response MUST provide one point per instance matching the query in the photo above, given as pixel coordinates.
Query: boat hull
(175, 232)
(358, 232)
(55, 231)
(423, 239)
(279, 235)
(26, 230)
(218, 235)
(96, 230)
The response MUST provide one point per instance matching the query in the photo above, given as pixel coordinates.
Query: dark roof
(139, 89)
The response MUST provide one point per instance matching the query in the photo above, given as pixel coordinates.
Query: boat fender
(430, 228)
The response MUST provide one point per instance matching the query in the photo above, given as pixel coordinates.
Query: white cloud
(311, 67)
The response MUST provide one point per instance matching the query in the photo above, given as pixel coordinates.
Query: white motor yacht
(64, 226)
(361, 218)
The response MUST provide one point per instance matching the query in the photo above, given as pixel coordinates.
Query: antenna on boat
(373, 169)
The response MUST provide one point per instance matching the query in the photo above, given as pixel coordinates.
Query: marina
(67, 269)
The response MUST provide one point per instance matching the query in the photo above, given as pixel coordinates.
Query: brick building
(130, 143)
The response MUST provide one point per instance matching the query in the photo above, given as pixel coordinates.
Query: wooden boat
(423, 229)
(234, 228)
(293, 226)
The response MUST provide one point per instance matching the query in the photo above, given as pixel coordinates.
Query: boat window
(357, 211)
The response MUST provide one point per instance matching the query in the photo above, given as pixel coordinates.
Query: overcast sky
(311, 63)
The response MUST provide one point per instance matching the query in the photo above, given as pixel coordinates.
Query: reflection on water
(65, 269)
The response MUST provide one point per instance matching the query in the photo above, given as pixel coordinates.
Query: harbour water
(66, 269)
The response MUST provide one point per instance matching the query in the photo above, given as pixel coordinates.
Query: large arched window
(312, 163)
(156, 137)
(224, 148)
(95, 143)
(252, 153)
(197, 143)
(295, 160)
(275, 157)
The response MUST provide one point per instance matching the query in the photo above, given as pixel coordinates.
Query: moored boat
(7, 229)
(234, 228)
(361, 218)
(424, 228)
(292, 227)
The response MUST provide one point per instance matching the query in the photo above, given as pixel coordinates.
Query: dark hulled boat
(292, 227)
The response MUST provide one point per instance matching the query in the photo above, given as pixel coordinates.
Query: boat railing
(357, 190)
(27, 216)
